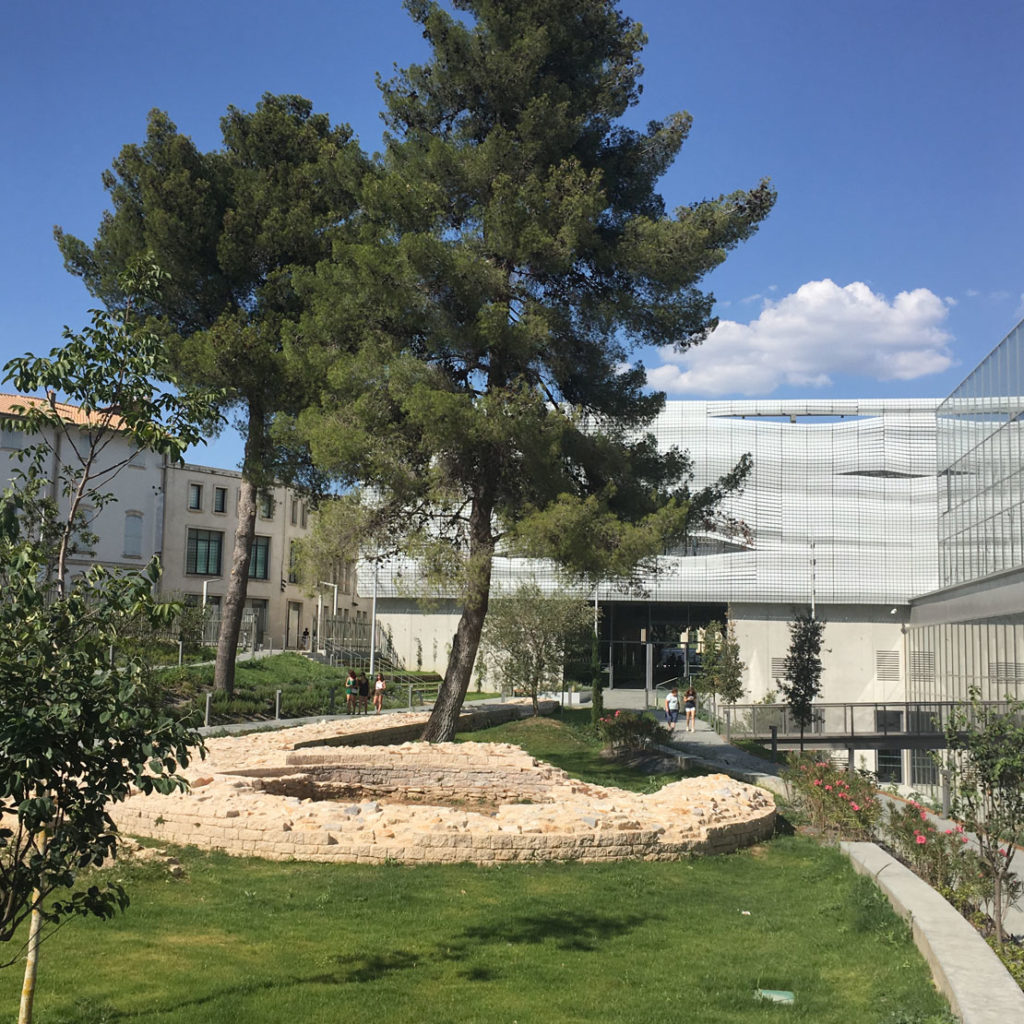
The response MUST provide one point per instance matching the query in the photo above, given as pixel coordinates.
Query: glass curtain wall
(981, 474)
(980, 531)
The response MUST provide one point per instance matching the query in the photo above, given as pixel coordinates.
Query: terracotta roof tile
(68, 413)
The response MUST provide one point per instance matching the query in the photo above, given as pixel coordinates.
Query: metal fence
(903, 718)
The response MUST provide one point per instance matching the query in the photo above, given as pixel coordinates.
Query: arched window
(133, 534)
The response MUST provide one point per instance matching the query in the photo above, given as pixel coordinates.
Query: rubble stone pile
(275, 795)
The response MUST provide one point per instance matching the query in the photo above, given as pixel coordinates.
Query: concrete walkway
(704, 744)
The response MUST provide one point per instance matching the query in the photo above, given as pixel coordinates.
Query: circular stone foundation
(280, 796)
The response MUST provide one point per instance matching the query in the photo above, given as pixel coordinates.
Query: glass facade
(981, 526)
(978, 642)
(949, 659)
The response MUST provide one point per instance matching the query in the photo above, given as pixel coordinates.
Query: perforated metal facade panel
(841, 501)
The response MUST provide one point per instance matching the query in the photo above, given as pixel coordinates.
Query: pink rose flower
(856, 807)
(921, 840)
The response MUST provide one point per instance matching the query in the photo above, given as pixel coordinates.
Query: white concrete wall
(853, 634)
(135, 490)
(412, 628)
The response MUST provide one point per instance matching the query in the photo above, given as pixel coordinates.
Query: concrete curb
(973, 979)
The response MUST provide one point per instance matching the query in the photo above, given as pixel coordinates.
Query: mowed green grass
(264, 943)
(568, 741)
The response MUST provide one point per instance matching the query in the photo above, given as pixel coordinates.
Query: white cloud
(807, 338)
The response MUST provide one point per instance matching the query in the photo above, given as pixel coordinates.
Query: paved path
(703, 743)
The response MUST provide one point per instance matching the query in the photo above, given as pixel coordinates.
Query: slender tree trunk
(28, 986)
(444, 719)
(238, 581)
(997, 904)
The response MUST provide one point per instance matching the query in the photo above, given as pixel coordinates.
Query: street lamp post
(373, 613)
(320, 605)
(814, 572)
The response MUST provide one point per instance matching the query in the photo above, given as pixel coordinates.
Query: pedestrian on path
(351, 693)
(379, 687)
(672, 709)
(690, 705)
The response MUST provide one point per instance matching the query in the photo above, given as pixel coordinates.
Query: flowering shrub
(838, 804)
(626, 730)
(942, 858)
(947, 861)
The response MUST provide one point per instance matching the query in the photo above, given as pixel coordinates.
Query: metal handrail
(850, 718)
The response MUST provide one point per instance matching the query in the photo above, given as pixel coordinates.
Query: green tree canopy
(77, 732)
(721, 665)
(528, 635)
(516, 253)
(231, 228)
(801, 681)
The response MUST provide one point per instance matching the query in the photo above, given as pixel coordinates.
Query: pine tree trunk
(997, 905)
(238, 581)
(444, 719)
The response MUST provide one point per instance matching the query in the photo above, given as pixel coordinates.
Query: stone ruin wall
(435, 803)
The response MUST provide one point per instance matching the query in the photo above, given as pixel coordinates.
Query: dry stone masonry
(278, 795)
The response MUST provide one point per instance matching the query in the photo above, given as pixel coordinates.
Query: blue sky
(892, 262)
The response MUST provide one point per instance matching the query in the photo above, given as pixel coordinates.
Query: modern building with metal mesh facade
(840, 513)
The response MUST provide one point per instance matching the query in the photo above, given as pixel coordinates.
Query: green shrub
(943, 859)
(626, 730)
(838, 804)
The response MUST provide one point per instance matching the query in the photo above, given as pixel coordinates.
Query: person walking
(379, 688)
(690, 706)
(364, 694)
(351, 693)
(672, 709)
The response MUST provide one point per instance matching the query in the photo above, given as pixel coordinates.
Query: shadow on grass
(570, 931)
(369, 968)
(783, 826)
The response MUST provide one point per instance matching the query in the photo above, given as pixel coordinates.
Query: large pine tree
(231, 228)
(518, 253)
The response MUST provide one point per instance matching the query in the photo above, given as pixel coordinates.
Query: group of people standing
(689, 706)
(357, 693)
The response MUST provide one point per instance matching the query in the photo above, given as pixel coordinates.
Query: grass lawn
(265, 943)
(568, 741)
(305, 686)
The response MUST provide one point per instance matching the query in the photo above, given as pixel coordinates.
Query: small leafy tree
(721, 665)
(801, 680)
(528, 634)
(986, 761)
(77, 733)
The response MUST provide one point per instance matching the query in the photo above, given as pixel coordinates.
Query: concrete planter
(566, 697)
